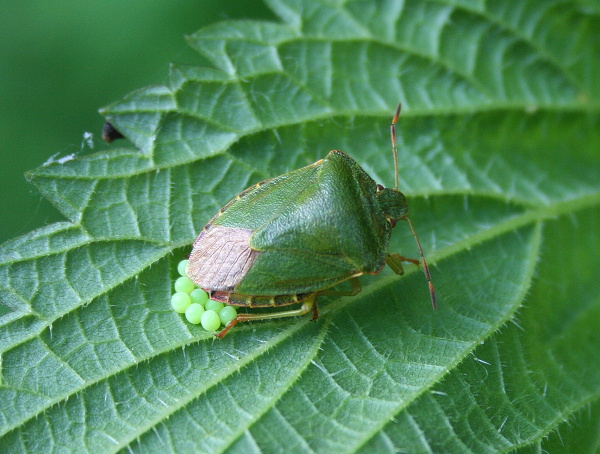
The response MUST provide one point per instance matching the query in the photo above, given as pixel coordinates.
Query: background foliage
(499, 144)
(62, 60)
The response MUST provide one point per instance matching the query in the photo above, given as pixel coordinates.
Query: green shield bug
(291, 238)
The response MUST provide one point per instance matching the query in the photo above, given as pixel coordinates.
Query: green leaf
(499, 139)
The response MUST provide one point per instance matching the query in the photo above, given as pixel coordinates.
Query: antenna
(395, 153)
(394, 148)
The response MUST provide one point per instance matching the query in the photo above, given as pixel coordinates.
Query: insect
(292, 238)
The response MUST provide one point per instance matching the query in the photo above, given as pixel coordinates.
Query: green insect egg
(184, 284)
(210, 321)
(214, 306)
(181, 267)
(199, 296)
(194, 312)
(289, 239)
(227, 314)
(180, 302)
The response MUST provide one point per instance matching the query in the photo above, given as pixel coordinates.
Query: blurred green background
(61, 61)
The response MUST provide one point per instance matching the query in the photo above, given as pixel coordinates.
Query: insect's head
(392, 203)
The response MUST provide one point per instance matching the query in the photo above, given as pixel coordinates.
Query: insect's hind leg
(308, 304)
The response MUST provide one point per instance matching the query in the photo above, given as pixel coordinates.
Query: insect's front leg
(394, 261)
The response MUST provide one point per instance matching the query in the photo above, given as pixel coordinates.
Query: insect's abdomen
(236, 299)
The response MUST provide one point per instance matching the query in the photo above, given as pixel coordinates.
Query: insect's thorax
(363, 228)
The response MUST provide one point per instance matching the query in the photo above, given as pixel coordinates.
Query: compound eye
(380, 188)
(392, 222)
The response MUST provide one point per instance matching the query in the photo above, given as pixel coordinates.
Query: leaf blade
(498, 142)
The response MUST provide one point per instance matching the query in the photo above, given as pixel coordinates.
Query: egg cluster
(192, 301)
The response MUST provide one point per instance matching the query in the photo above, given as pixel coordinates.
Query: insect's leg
(356, 288)
(394, 261)
(315, 310)
(306, 307)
